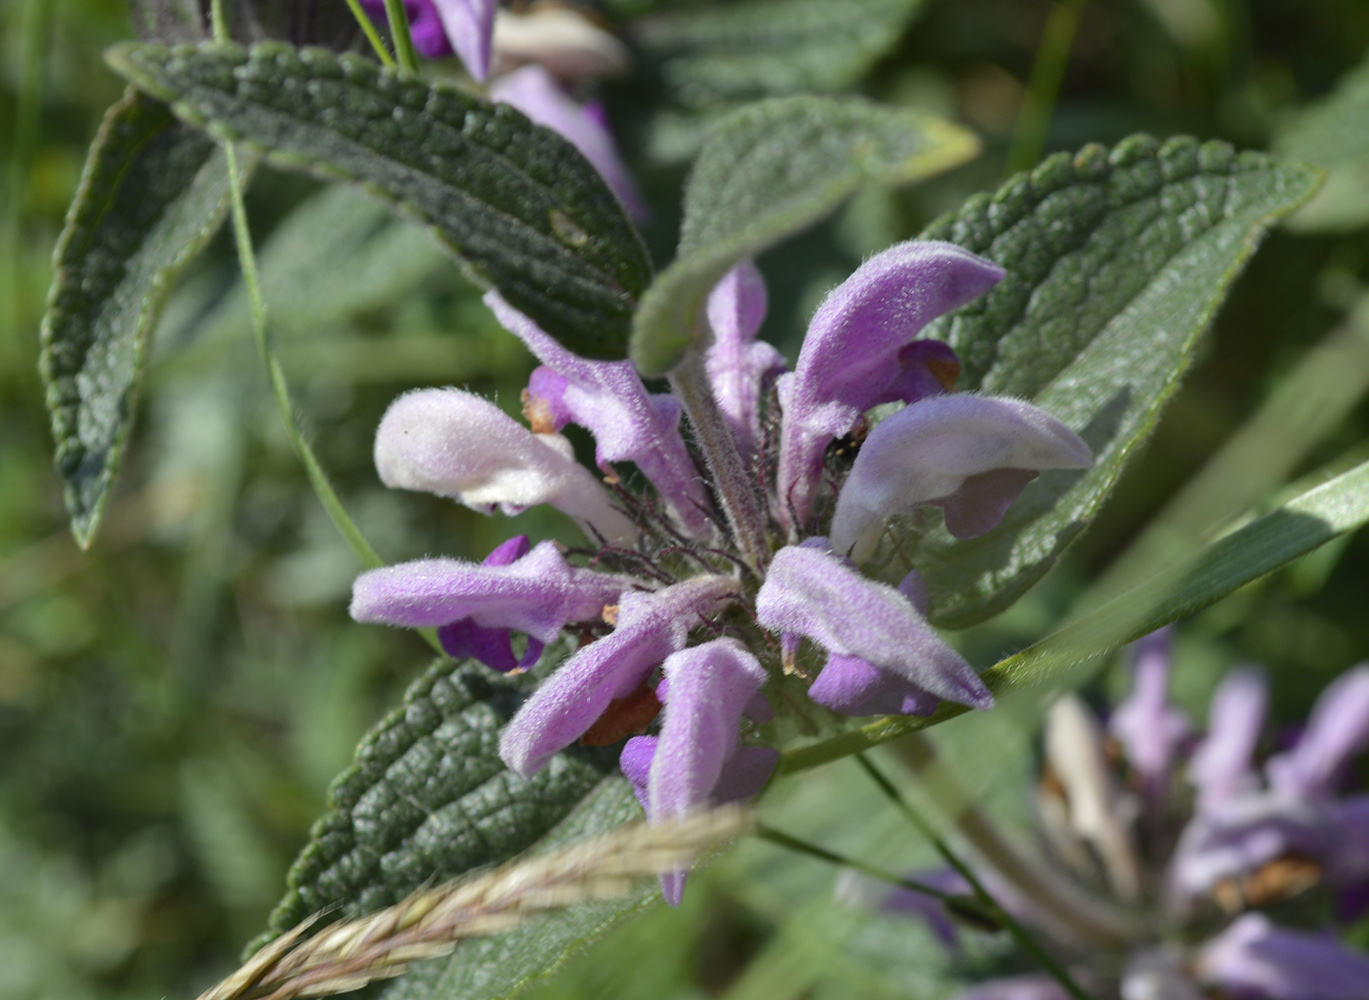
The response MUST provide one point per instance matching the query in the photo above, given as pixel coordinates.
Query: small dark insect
(843, 451)
(628, 716)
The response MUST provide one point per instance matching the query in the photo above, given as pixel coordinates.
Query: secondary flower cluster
(671, 615)
(1193, 833)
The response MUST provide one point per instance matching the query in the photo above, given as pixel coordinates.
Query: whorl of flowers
(1216, 853)
(671, 616)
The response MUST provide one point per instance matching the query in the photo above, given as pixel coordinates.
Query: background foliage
(174, 703)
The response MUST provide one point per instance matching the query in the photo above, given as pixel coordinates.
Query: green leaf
(1332, 134)
(768, 171)
(1116, 262)
(741, 52)
(428, 798)
(1292, 530)
(507, 964)
(153, 193)
(515, 201)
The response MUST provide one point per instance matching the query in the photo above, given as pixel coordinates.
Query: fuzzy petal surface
(469, 25)
(1255, 960)
(852, 355)
(938, 451)
(650, 627)
(1337, 730)
(738, 365)
(812, 592)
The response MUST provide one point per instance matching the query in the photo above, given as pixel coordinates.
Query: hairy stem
(372, 36)
(731, 483)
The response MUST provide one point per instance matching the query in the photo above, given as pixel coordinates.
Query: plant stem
(280, 389)
(689, 382)
(1025, 939)
(399, 34)
(792, 843)
(1043, 88)
(369, 30)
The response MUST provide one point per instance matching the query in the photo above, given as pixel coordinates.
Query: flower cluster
(1190, 831)
(673, 616)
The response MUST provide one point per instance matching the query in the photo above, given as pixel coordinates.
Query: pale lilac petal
(628, 424)
(852, 686)
(930, 451)
(744, 774)
(814, 593)
(1255, 960)
(710, 685)
(635, 763)
(982, 500)
(1149, 728)
(1349, 861)
(465, 639)
(544, 401)
(537, 594)
(535, 92)
(857, 889)
(459, 445)
(737, 364)
(852, 356)
(1223, 764)
(469, 25)
(1030, 987)
(1242, 835)
(1337, 730)
(650, 627)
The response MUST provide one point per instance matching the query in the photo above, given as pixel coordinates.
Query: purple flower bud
(459, 445)
(535, 92)
(1148, 726)
(853, 356)
(1223, 764)
(1337, 730)
(628, 424)
(738, 365)
(537, 594)
(811, 592)
(1254, 960)
(650, 627)
(971, 455)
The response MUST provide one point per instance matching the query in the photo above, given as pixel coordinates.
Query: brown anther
(628, 716)
(610, 614)
(537, 412)
(946, 371)
(1281, 879)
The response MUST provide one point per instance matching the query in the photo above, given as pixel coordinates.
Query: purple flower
(970, 455)
(1254, 960)
(491, 646)
(738, 365)
(860, 351)
(1337, 730)
(650, 627)
(1223, 764)
(811, 592)
(629, 425)
(441, 27)
(535, 92)
(459, 445)
(1148, 726)
(537, 593)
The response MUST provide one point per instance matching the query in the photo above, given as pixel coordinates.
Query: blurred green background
(174, 702)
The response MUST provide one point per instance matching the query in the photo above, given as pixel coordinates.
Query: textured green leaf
(515, 201)
(1116, 262)
(428, 798)
(506, 965)
(1334, 133)
(1294, 529)
(741, 52)
(767, 171)
(153, 193)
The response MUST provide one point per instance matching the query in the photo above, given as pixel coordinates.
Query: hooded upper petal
(852, 357)
(1255, 960)
(809, 591)
(628, 424)
(1223, 764)
(491, 646)
(1148, 726)
(737, 364)
(946, 450)
(537, 594)
(460, 445)
(650, 627)
(1336, 731)
(535, 92)
(469, 25)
